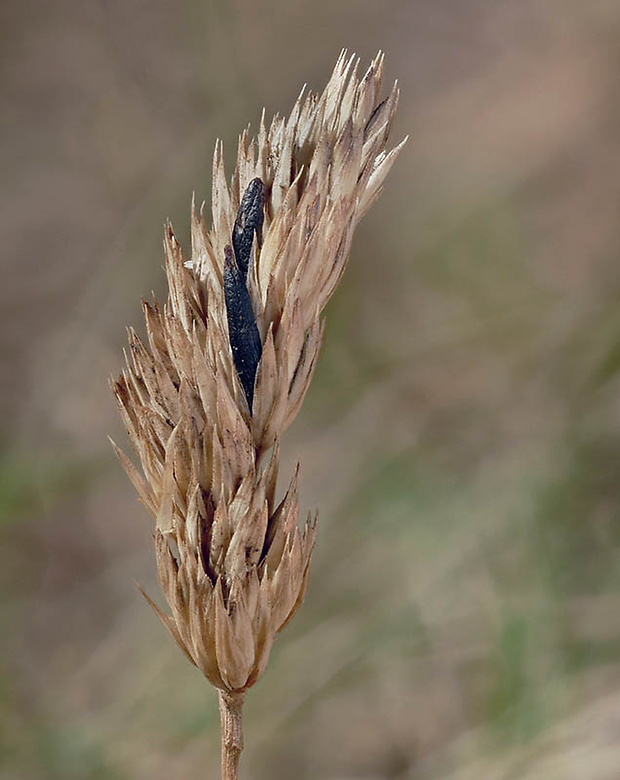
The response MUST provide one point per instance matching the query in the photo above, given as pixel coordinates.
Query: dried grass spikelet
(227, 364)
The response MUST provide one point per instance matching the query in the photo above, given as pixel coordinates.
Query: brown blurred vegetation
(462, 436)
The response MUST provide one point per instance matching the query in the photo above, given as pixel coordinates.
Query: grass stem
(231, 706)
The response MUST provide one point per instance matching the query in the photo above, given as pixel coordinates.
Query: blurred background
(461, 437)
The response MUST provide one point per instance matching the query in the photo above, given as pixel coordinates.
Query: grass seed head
(228, 359)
